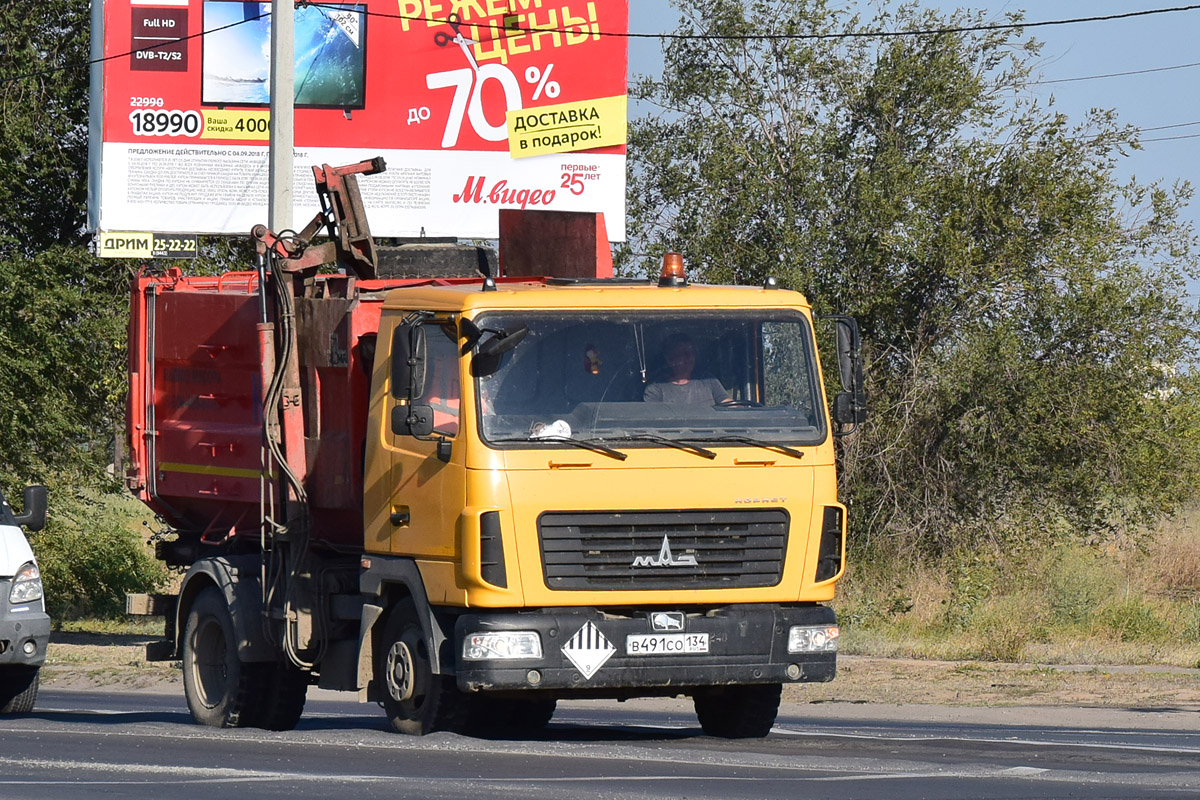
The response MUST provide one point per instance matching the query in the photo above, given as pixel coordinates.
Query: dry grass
(1103, 605)
(1173, 562)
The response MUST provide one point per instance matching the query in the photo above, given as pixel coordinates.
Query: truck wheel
(495, 716)
(218, 686)
(416, 700)
(18, 689)
(279, 700)
(738, 712)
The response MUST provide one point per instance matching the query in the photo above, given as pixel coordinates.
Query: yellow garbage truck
(467, 498)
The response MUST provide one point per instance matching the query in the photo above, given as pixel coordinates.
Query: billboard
(476, 105)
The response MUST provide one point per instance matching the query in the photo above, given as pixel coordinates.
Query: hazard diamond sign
(588, 650)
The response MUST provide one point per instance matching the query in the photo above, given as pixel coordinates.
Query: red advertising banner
(427, 84)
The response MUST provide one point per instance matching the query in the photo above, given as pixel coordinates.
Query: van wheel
(18, 689)
(218, 686)
(416, 700)
(738, 712)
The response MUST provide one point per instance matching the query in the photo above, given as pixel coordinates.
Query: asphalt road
(85, 744)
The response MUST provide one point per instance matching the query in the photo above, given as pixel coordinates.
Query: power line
(998, 26)
(81, 64)
(1171, 138)
(1166, 127)
(1115, 74)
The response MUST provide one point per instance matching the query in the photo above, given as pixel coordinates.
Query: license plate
(664, 644)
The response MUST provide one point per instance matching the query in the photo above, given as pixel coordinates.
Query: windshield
(634, 378)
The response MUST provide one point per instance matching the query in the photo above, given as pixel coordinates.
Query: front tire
(18, 689)
(495, 716)
(738, 712)
(220, 689)
(416, 700)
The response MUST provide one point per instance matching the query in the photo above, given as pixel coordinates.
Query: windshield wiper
(677, 444)
(782, 448)
(585, 444)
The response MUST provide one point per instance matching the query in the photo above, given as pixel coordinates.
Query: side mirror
(849, 345)
(412, 420)
(849, 408)
(487, 359)
(503, 341)
(34, 518)
(850, 404)
(408, 361)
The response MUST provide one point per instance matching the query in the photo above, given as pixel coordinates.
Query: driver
(680, 387)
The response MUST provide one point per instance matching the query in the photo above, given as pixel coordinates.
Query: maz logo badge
(667, 620)
(665, 558)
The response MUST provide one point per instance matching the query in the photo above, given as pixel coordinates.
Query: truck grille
(663, 549)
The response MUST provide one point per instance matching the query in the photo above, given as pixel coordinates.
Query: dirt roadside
(117, 662)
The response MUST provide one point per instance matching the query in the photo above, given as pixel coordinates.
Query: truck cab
(24, 624)
(588, 518)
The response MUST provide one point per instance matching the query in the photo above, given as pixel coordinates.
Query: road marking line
(825, 734)
(1024, 771)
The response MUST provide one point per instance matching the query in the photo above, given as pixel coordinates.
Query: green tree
(61, 325)
(92, 553)
(44, 139)
(1030, 342)
(62, 345)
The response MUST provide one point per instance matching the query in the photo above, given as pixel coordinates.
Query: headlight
(502, 644)
(813, 638)
(27, 585)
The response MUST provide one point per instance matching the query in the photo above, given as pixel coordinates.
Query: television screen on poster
(330, 47)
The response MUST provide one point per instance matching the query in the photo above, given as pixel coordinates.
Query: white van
(24, 624)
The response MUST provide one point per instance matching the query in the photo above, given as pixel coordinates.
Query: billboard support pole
(95, 117)
(282, 132)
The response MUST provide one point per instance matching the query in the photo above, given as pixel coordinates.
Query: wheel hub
(400, 672)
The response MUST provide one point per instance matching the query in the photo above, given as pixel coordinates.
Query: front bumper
(747, 644)
(19, 626)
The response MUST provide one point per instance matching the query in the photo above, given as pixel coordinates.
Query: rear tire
(278, 702)
(416, 700)
(18, 689)
(220, 689)
(738, 712)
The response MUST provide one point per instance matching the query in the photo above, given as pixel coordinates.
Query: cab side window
(441, 382)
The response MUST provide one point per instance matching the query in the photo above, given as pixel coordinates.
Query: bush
(1132, 619)
(91, 554)
(973, 578)
(874, 594)
(1078, 584)
(1003, 627)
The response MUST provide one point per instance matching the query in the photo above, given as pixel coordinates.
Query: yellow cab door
(420, 487)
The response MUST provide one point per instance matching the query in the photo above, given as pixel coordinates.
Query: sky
(1149, 100)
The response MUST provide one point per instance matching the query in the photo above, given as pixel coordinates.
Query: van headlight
(27, 585)
(813, 638)
(488, 645)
